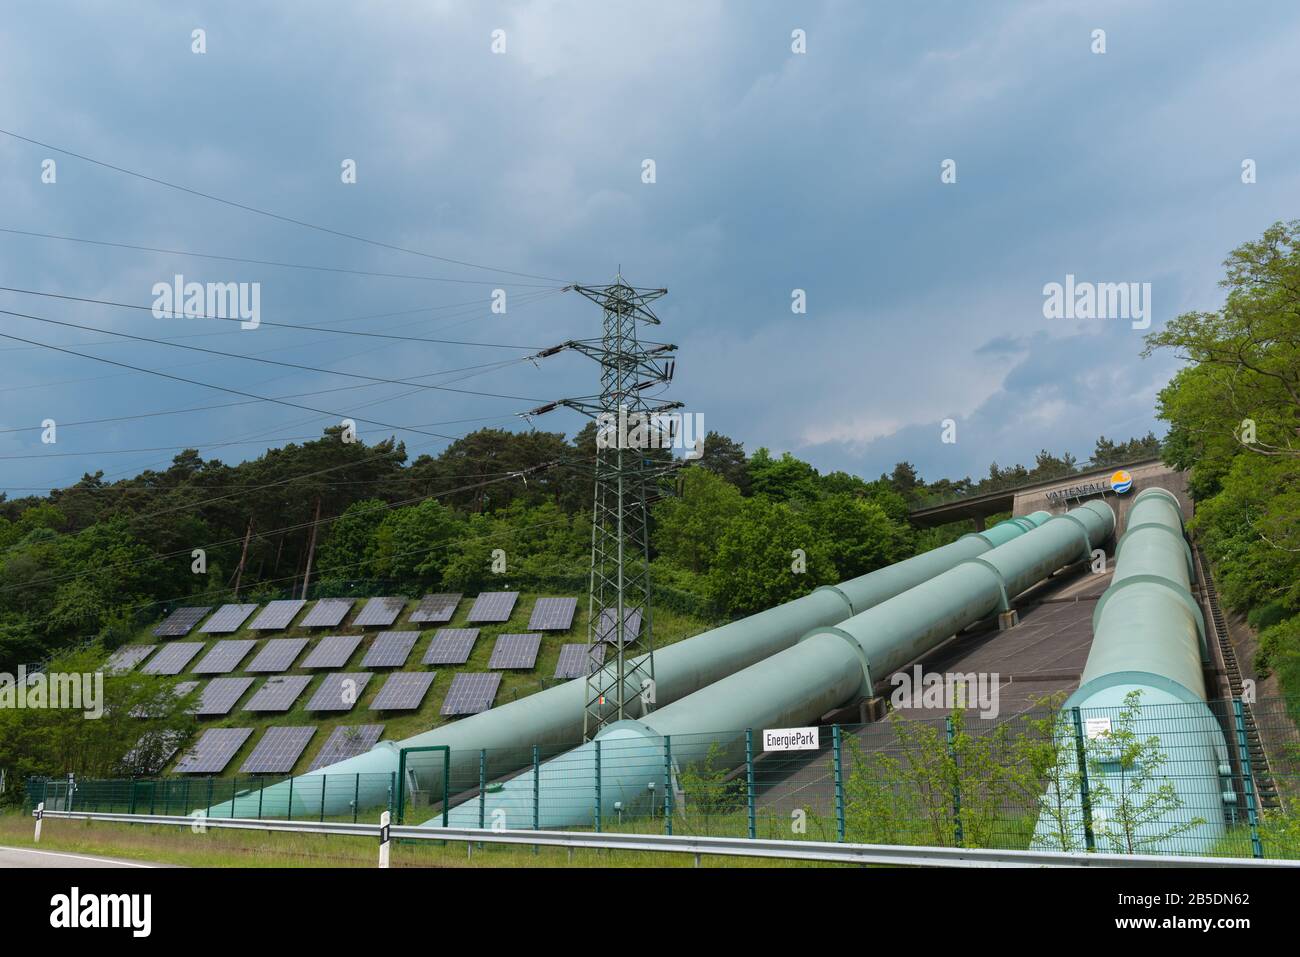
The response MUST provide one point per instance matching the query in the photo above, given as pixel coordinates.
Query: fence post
(537, 790)
(668, 784)
(323, 779)
(839, 783)
(211, 783)
(1085, 799)
(749, 782)
(290, 814)
(957, 834)
(261, 791)
(356, 795)
(153, 794)
(596, 744)
(131, 805)
(482, 788)
(1248, 778)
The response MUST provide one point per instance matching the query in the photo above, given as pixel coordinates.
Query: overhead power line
(270, 215)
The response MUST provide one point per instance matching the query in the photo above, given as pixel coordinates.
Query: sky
(794, 147)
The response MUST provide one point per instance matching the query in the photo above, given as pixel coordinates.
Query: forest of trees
(100, 559)
(1234, 416)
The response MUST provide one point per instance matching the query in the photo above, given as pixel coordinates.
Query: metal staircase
(1265, 786)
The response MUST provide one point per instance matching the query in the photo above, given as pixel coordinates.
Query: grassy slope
(669, 627)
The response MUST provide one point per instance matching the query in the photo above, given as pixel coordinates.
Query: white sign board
(1096, 727)
(790, 739)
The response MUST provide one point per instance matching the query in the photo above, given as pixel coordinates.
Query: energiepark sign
(1119, 483)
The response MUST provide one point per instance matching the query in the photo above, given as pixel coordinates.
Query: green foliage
(688, 525)
(783, 479)
(53, 742)
(758, 564)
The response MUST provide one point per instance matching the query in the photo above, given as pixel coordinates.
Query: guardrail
(822, 851)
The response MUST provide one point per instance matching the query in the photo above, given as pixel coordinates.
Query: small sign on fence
(1096, 727)
(790, 739)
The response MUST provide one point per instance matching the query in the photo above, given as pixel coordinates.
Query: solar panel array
(224, 657)
(179, 622)
(327, 613)
(493, 606)
(213, 751)
(220, 695)
(227, 619)
(347, 741)
(471, 693)
(576, 663)
(553, 614)
(278, 694)
(403, 691)
(127, 657)
(390, 649)
(173, 658)
(277, 615)
(515, 651)
(436, 609)
(332, 651)
(606, 630)
(277, 655)
(451, 646)
(379, 613)
(340, 691)
(278, 751)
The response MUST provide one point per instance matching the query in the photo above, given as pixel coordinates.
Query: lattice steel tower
(632, 454)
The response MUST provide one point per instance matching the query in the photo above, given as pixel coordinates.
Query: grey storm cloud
(775, 172)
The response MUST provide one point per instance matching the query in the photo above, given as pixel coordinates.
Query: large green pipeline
(830, 666)
(1148, 642)
(553, 718)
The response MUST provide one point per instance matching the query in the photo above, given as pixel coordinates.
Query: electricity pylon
(630, 460)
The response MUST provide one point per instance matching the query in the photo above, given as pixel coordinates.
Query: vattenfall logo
(132, 911)
(1121, 482)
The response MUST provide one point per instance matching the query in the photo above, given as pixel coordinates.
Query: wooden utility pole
(243, 556)
(311, 550)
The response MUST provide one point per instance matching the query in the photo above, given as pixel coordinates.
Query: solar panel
(403, 691)
(220, 695)
(180, 622)
(606, 631)
(277, 615)
(179, 690)
(451, 646)
(390, 649)
(278, 751)
(576, 663)
(278, 694)
(276, 655)
(553, 614)
(515, 651)
(225, 656)
(332, 651)
(327, 613)
(471, 693)
(347, 741)
(227, 619)
(379, 613)
(127, 657)
(493, 606)
(151, 753)
(436, 609)
(213, 751)
(173, 658)
(339, 691)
